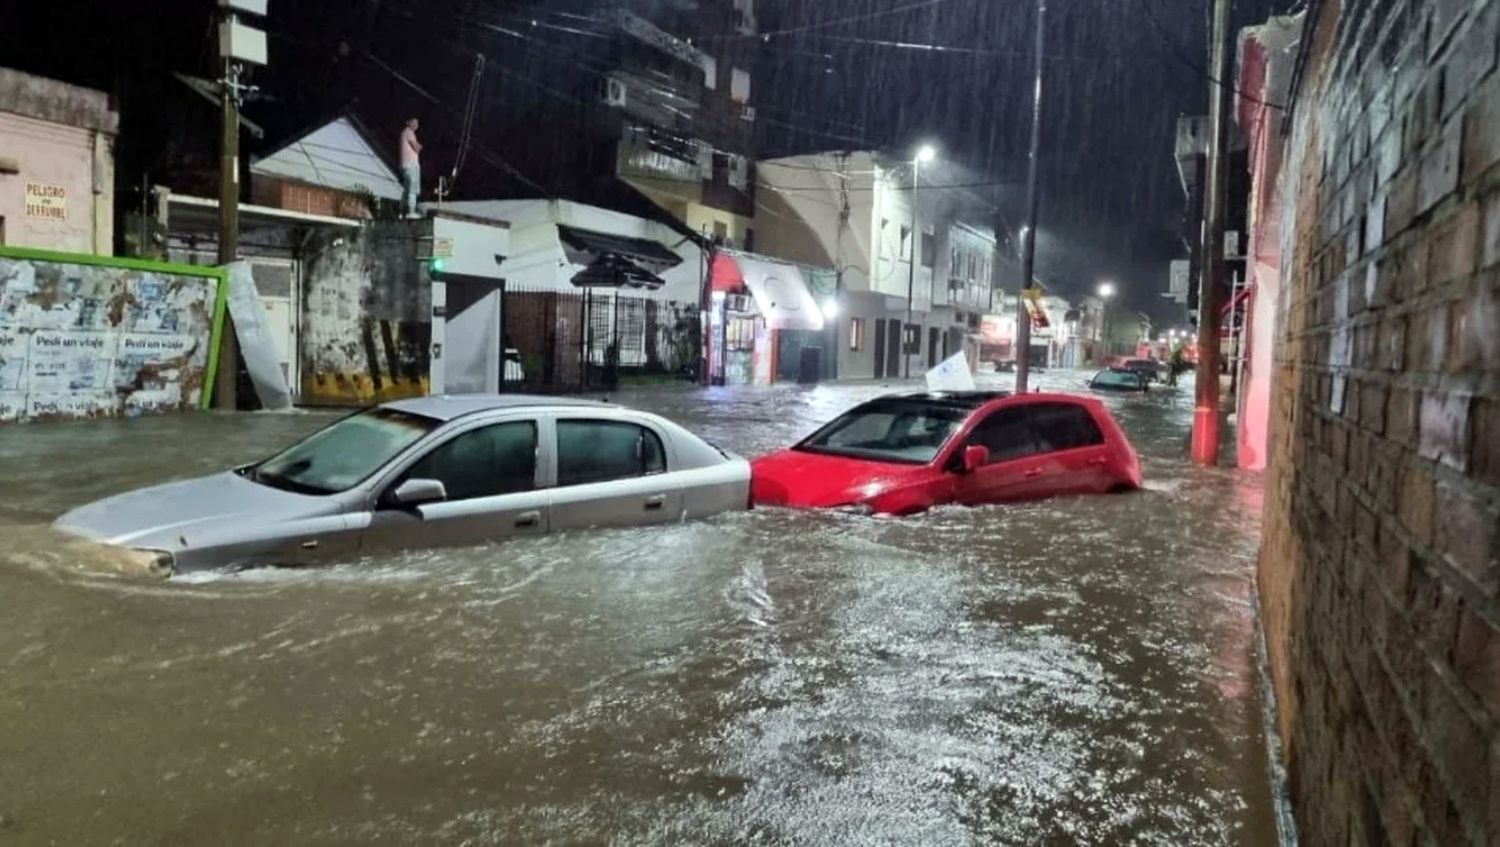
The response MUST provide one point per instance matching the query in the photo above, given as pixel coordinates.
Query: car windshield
(1117, 379)
(338, 457)
(910, 432)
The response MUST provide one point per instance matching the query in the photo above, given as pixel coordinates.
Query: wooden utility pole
(225, 387)
(1028, 235)
(1206, 405)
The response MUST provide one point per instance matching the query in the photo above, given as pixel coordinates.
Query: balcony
(651, 155)
(658, 38)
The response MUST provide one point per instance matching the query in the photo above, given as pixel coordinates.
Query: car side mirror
(975, 457)
(418, 492)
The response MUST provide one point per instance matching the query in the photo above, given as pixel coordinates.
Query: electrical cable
(1183, 57)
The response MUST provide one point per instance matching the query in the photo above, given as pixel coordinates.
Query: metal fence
(587, 340)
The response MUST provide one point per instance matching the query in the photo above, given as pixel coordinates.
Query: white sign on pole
(952, 374)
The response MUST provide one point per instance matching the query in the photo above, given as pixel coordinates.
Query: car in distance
(1149, 368)
(426, 472)
(902, 454)
(1119, 380)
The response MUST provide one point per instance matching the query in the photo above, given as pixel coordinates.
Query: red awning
(725, 275)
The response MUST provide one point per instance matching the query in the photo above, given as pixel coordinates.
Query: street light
(925, 153)
(1106, 291)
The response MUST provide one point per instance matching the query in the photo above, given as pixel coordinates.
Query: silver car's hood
(179, 514)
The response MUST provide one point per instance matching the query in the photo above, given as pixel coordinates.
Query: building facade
(914, 278)
(57, 165)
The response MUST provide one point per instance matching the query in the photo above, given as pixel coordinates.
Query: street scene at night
(750, 422)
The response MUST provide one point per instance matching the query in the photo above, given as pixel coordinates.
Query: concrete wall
(1380, 569)
(366, 316)
(56, 165)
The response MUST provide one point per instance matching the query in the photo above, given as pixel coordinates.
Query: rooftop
(447, 407)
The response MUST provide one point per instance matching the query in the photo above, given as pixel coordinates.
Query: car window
(1007, 434)
(485, 462)
(599, 451)
(1064, 426)
(896, 430)
(341, 455)
(1118, 379)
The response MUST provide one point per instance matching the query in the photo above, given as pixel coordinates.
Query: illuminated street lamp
(925, 153)
(1106, 292)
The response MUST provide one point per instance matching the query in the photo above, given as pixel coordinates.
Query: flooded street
(1071, 671)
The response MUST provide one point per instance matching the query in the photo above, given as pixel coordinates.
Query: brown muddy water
(1072, 671)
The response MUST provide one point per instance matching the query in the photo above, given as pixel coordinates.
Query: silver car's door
(490, 472)
(610, 471)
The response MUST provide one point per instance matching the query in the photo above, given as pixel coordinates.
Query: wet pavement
(1072, 671)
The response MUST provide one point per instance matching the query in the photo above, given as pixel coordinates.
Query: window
(1059, 426)
(929, 249)
(1007, 434)
(739, 85)
(887, 430)
(905, 242)
(485, 462)
(739, 334)
(340, 456)
(856, 334)
(599, 451)
(710, 67)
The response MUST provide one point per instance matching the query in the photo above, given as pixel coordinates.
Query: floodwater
(1072, 671)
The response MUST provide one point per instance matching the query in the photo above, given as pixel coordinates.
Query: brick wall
(1379, 572)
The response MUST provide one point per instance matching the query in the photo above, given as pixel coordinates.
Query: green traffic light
(437, 265)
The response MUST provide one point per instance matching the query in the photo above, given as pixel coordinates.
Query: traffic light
(436, 264)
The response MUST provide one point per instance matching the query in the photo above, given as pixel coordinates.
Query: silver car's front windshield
(341, 456)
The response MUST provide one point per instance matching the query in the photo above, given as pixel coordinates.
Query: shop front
(755, 302)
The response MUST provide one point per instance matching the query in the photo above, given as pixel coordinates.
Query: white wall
(78, 161)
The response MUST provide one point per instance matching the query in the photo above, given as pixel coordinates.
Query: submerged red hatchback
(902, 454)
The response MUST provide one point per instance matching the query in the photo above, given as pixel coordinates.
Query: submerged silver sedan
(428, 472)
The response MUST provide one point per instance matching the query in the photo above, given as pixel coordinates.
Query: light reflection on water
(1072, 670)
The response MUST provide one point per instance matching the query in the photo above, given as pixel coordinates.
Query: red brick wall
(1381, 560)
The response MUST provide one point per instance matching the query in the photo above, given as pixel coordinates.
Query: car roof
(446, 407)
(961, 400)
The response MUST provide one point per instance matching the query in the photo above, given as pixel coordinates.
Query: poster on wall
(89, 340)
(45, 201)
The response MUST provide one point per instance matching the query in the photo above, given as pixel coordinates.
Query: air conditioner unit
(612, 92)
(739, 303)
(748, 114)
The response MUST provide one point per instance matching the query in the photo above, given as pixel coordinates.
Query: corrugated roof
(336, 156)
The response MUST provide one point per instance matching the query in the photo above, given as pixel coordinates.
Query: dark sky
(833, 74)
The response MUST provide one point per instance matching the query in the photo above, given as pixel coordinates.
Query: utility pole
(1028, 235)
(1206, 406)
(237, 44)
(926, 154)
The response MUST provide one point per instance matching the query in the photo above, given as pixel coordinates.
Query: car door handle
(310, 545)
(656, 501)
(1033, 472)
(1100, 461)
(528, 519)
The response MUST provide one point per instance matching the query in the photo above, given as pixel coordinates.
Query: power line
(1182, 56)
(922, 4)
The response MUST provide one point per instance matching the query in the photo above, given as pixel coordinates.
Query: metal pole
(1028, 240)
(911, 269)
(229, 226)
(1206, 407)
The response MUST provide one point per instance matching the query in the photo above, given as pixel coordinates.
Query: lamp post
(924, 154)
(1106, 292)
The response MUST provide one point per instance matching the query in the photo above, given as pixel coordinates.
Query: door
(879, 349)
(276, 288)
(1014, 472)
(470, 346)
(610, 473)
(934, 335)
(894, 348)
(490, 474)
(1075, 457)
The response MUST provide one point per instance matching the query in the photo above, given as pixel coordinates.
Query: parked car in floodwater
(427, 472)
(1151, 369)
(903, 454)
(1119, 379)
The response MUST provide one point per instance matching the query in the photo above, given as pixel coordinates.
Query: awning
(615, 271)
(780, 293)
(587, 246)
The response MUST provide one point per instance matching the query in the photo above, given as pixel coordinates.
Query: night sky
(833, 74)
